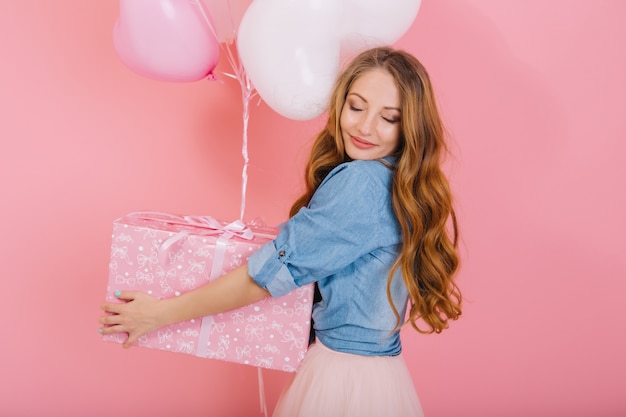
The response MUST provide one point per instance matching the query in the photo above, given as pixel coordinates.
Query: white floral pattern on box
(166, 255)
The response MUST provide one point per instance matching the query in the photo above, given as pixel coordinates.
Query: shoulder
(363, 183)
(375, 172)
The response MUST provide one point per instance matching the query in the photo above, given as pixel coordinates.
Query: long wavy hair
(422, 200)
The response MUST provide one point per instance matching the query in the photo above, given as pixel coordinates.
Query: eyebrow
(363, 98)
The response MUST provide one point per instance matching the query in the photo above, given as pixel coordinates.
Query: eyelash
(388, 120)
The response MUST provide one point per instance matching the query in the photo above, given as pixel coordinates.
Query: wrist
(165, 311)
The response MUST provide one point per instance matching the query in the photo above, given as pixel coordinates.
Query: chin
(362, 155)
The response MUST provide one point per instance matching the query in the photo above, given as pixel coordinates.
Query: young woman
(375, 230)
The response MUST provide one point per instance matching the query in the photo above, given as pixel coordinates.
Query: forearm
(233, 290)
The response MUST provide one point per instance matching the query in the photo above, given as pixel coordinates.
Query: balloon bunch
(289, 52)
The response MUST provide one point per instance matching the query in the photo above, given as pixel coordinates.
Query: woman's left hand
(139, 315)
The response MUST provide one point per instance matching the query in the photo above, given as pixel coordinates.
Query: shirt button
(281, 253)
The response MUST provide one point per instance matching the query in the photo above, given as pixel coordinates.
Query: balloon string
(232, 22)
(247, 93)
(205, 16)
(245, 98)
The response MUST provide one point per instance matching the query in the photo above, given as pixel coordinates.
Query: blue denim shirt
(346, 240)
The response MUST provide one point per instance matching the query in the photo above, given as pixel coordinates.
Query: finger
(106, 330)
(114, 308)
(132, 338)
(126, 295)
(111, 319)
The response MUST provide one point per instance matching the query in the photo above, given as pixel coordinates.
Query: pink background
(533, 95)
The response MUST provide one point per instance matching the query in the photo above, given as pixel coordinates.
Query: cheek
(390, 133)
(345, 120)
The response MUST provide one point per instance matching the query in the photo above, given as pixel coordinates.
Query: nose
(366, 124)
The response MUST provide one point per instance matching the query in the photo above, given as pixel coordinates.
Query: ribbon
(262, 393)
(202, 225)
(218, 257)
(216, 271)
(248, 92)
(207, 224)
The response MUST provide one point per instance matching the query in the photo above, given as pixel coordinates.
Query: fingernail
(118, 293)
(100, 331)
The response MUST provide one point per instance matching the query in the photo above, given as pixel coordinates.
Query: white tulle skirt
(335, 384)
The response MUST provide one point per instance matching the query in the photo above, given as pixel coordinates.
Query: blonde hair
(421, 195)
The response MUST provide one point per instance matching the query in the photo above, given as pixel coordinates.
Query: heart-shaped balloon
(292, 49)
(369, 23)
(167, 40)
(289, 56)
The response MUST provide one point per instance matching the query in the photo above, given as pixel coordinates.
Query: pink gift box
(166, 255)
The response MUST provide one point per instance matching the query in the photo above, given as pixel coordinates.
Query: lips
(360, 143)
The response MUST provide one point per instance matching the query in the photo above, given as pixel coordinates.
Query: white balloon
(292, 49)
(290, 56)
(370, 23)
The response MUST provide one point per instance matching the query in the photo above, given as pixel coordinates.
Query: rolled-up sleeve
(275, 276)
(334, 230)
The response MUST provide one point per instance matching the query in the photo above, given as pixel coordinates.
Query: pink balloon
(167, 40)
